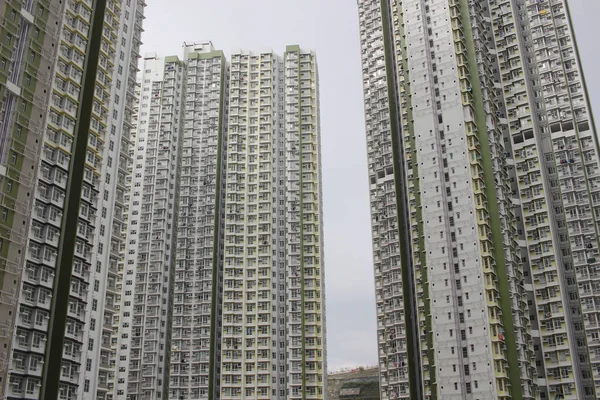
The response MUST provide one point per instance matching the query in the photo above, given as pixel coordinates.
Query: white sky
(330, 27)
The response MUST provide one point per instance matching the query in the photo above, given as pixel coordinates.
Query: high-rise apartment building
(173, 229)
(223, 269)
(254, 253)
(304, 269)
(147, 282)
(68, 75)
(273, 342)
(484, 181)
(196, 311)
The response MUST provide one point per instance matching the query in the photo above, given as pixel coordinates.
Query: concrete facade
(483, 164)
(67, 93)
(223, 292)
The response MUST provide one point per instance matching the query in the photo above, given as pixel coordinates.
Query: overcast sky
(330, 27)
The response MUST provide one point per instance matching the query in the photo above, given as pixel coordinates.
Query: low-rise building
(359, 384)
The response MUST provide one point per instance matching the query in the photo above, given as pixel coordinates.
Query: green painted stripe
(171, 59)
(514, 372)
(411, 314)
(205, 56)
(66, 246)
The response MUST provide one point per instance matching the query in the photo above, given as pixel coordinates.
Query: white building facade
(254, 263)
(196, 305)
(103, 303)
(62, 307)
(305, 280)
(147, 288)
(273, 344)
(243, 287)
(483, 163)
